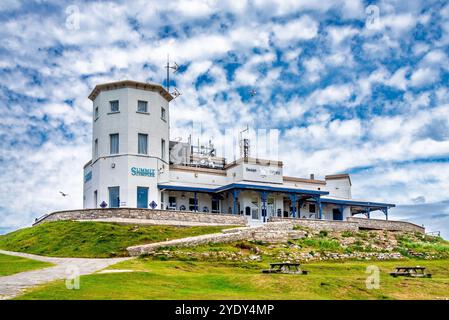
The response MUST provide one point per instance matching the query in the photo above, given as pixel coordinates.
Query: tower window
(142, 106)
(142, 143)
(114, 143)
(96, 113)
(163, 115)
(114, 106)
(162, 149)
(96, 149)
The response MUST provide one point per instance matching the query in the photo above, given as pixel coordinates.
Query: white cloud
(424, 76)
(303, 28)
(333, 94)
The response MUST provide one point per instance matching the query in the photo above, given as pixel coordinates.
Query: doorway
(142, 197)
(337, 214)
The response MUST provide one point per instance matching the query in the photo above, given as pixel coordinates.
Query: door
(337, 214)
(114, 197)
(142, 197)
(271, 209)
(255, 208)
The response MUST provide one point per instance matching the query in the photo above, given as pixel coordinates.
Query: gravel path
(13, 285)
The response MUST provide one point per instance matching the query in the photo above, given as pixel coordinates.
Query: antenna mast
(175, 68)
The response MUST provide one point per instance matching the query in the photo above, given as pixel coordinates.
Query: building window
(163, 149)
(114, 197)
(142, 143)
(142, 106)
(215, 206)
(172, 203)
(114, 142)
(96, 149)
(95, 199)
(163, 115)
(114, 106)
(192, 206)
(96, 113)
(312, 208)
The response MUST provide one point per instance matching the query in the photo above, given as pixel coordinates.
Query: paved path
(13, 285)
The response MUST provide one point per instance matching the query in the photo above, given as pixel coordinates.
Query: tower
(130, 144)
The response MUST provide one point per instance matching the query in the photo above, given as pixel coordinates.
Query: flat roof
(359, 203)
(242, 186)
(130, 84)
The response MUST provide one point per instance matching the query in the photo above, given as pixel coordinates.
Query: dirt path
(13, 285)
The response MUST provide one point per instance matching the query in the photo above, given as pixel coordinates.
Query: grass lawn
(155, 279)
(92, 239)
(11, 264)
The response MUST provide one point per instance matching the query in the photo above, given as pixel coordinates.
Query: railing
(38, 219)
(434, 233)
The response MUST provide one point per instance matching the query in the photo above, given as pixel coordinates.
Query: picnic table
(285, 267)
(419, 272)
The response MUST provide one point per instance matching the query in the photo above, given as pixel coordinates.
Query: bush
(347, 234)
(323, 233)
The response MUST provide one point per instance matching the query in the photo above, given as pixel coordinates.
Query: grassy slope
(91, 239)
(11, 264)
(214, 280)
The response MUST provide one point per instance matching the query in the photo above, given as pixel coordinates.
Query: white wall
(340, 188)
(128, 123)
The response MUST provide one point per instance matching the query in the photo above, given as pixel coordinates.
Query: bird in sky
(252, 92)
(63, 194)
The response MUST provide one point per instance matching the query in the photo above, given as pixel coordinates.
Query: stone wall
(268, 233)
(352, 224)
(314, 224)
(376, 224)
(150, 214)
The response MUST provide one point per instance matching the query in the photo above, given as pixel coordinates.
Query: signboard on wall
(88, 176)
(262, 173)
(144, 172)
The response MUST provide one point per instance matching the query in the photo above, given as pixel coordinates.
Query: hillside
(319, 246)
(91, 239)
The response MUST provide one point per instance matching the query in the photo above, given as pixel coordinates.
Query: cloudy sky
(353, 86)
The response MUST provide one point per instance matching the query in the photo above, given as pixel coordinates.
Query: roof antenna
(175, 68)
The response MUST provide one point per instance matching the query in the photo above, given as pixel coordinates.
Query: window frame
(163, 148)
(138, 143)
(110, 143)
(110, 106)
(163, 114)
(146, 107)
(96, 148)
(312, 205)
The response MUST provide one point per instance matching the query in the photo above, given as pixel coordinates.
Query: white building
(131, 167)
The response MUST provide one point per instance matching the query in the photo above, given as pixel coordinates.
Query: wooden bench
(285, 267)
(417, 272)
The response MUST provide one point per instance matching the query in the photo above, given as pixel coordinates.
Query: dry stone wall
(150, 214)
(269, 233)
(313, 224)
(376, 224)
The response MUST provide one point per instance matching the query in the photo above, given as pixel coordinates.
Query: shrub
(323, 233)
(347, 234)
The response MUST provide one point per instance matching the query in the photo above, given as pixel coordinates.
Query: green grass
(11, 264)
(227, 280)
(91, 239)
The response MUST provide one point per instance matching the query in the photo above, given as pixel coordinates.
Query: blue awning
(243, 186)
(366, 204)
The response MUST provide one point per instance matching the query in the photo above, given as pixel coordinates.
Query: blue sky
(353, 86)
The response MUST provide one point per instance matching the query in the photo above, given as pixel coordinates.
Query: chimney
(312, 176)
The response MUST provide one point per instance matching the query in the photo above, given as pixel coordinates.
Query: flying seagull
(63, 194)
(252, 92)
